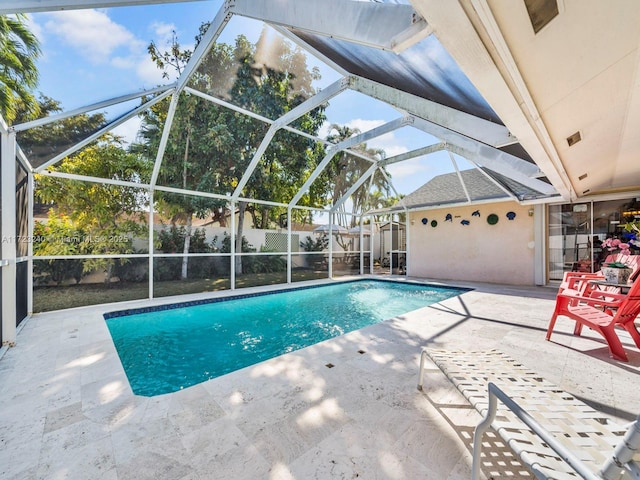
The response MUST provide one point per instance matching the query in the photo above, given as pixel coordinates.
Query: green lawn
(46, 299)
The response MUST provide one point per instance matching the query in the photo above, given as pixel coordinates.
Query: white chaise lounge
(556, 435)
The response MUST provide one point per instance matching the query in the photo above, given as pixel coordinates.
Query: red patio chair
(602, 315)
(577, 282)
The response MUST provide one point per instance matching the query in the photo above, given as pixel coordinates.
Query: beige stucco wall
(500, 253)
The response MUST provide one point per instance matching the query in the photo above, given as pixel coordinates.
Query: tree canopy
(109, 216)
(42, 143)
(211, 146)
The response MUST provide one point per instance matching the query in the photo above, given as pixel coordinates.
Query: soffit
(582, 72)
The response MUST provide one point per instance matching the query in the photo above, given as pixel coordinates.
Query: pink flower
(613, 244)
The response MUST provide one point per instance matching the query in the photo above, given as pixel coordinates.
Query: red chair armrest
(593, 301)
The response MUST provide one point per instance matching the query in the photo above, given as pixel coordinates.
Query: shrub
(58, 237)
(132, 269)
(172, 240)
(318, 245)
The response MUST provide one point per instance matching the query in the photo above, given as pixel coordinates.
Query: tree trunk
(185, 250)
(187, 237)
(242, 206)
(108, 273)
(218, 215)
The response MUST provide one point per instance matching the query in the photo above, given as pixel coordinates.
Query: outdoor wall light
(530, 212)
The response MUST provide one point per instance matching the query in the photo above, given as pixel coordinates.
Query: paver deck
(68, 411)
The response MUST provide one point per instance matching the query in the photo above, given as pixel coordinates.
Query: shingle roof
(447, 189)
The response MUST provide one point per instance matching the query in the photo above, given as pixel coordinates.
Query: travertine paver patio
(68, 412)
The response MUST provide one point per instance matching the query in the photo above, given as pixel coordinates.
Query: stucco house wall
(479, 251)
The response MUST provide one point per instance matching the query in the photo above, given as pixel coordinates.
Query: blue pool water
(165, 349)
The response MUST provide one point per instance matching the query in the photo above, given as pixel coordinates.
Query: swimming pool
(167, 348)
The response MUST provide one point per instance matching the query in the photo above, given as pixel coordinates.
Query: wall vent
(573, 139)
(541, 12)
(583, 176)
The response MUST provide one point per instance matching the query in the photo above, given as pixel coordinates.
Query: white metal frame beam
(33, 6)
(380, 25)
(206, 42)
(419, 152)
(506, 191)
(318, 99)
(273, 129)
(103, 130)
(375, 132)
(485, 155)
(23, 159)
(249, 113)
(370, 171)
(464, 186)
(4, 128)
(473, 127)
(502, 164)
(164, 138)
(228, 105)
(9, 237)
(285, 32)
(345, 144)
(88, 178)
(95, 106)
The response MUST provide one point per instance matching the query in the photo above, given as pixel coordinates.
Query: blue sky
(93, 55)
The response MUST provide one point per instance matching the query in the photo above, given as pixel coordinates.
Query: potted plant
(616, 272)
(632, 234)
(615, 245)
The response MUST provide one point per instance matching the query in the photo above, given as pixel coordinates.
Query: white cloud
(364, 125)
(149, 73)
(146, 69)
(163, 32)
(34, 27)
(409, 168)
(92, 33)
(123, 62)
(129, 129)
(410, 175)
(101, 41)
(391, 148)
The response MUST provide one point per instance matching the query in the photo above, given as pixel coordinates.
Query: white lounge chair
(556, 435)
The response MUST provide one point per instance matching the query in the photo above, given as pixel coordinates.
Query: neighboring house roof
(481, 185)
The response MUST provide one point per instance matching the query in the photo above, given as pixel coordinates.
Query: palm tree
(346, 169)
(19, 49)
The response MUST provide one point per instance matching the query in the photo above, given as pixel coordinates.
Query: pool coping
(205, 301)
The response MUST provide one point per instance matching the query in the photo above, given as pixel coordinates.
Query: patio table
(624, 287)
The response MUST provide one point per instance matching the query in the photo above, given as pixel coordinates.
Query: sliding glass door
(576, 232)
